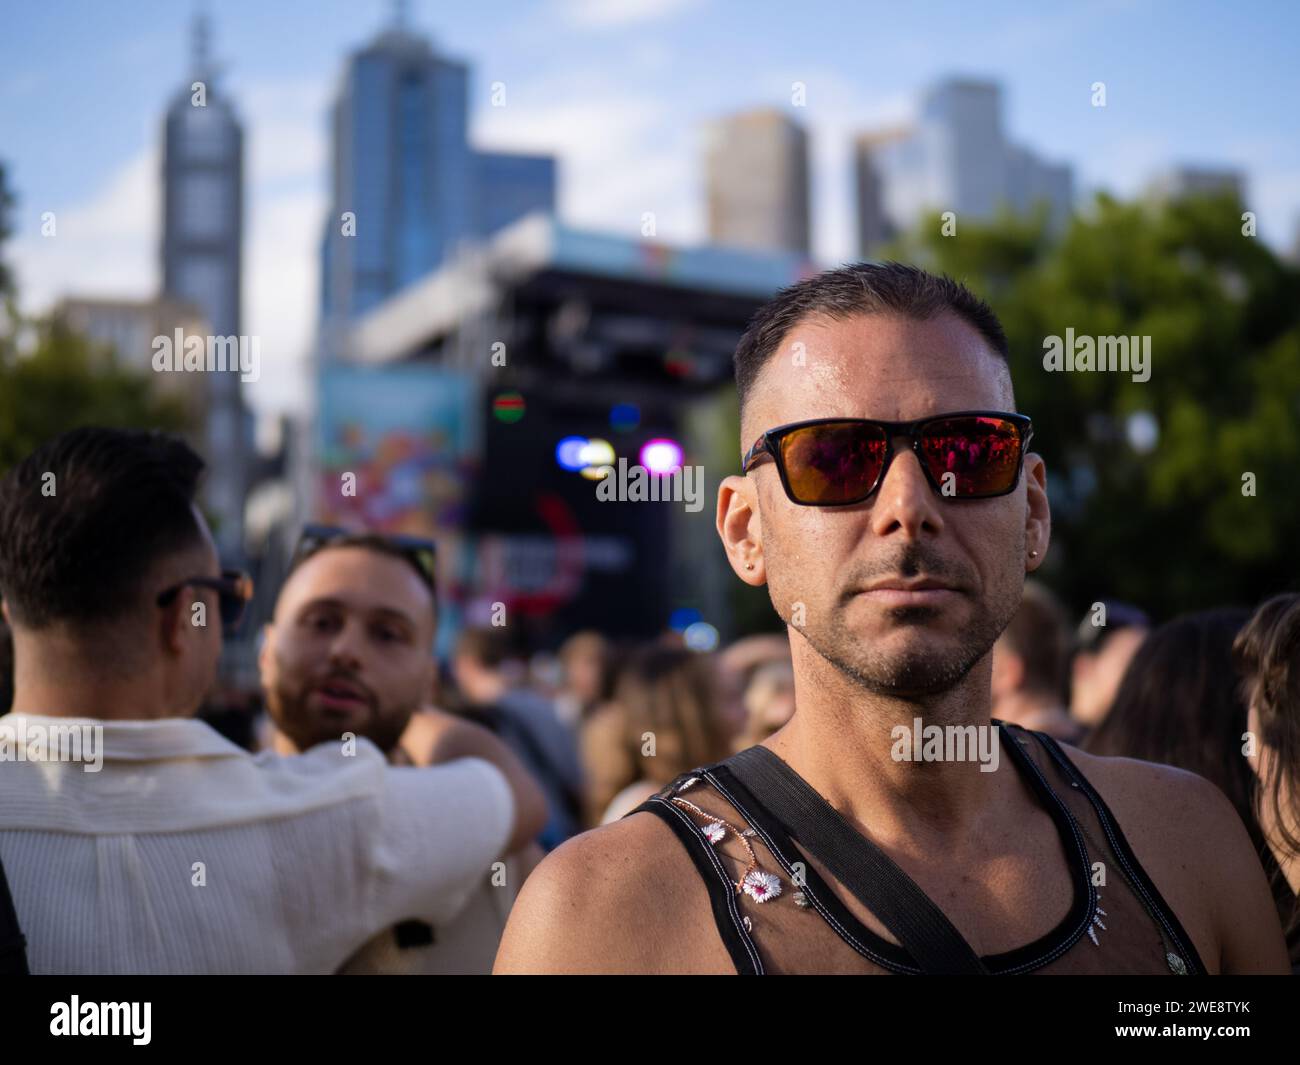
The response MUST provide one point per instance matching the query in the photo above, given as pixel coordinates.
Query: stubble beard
(383, 729)
(931, 663)
(924, 669)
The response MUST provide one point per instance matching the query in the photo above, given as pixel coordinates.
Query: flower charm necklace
(755, 883)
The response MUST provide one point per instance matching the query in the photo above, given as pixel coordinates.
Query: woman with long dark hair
(1267, 655)
(1181, 703)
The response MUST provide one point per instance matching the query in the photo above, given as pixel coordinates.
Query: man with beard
(348, 657)
(150, 843)
(889, 502)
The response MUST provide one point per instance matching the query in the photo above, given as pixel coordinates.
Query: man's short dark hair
(861, 288)
(369, 541)
(79, 546)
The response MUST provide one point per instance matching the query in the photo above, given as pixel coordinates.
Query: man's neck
(58, 676)
(103, 702)
(49, 690)
(841, 741)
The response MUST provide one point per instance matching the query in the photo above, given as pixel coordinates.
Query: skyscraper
(1182, 181)
(956, 158)
(756, 174)
(406, 187)
(203, 150)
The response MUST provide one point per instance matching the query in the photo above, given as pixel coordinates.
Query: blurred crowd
(603, 725)
(598, 725)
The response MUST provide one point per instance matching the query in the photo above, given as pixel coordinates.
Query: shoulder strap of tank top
(857, 863)
(722, 892)
(1145, 889)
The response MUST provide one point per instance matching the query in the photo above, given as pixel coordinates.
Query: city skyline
(202, 261)
(407, 186)
(621, 105)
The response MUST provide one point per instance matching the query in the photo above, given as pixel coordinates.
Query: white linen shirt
(186, 854)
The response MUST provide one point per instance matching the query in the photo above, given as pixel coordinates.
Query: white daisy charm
(761, 886)
(714, 831)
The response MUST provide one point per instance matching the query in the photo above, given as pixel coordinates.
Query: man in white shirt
(350, 650)
(136, 839)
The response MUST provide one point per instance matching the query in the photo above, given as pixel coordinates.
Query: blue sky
(619, 90)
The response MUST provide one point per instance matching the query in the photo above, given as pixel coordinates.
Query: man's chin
(904, 662)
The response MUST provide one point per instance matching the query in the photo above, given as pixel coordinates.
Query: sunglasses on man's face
(421, 553)
(234, 592)
(837, 462)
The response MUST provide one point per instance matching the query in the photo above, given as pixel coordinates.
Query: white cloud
(602, 14)
(1125, 165)
(1274, 195)
(108, 245)
(286, 171)
(619, 156)
(285, 123)
(836, 111)
(104, 246)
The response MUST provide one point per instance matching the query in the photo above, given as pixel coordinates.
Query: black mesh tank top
(783, 918)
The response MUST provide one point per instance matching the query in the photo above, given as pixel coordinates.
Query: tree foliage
(60, 381)
(1164, 519)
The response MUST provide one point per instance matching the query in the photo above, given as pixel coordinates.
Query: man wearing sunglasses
(180, 852)
(890, 503)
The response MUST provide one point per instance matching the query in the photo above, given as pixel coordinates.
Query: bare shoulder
(622, 898)
(1192, 844)
(1151, 791)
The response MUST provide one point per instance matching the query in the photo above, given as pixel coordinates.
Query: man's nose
(345, 648)
(906, 503)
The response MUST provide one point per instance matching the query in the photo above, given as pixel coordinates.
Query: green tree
(63, 382)
(1150, 480)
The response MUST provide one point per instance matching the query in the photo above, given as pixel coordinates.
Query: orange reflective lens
(834, 462)
(971, 455)
(976, 456)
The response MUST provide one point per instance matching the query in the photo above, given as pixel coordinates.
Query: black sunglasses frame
(420, 552)
(234, 590)
(770, 444)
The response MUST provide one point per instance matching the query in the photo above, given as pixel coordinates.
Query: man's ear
(741, 529)
(173, 619)
(1038, 514)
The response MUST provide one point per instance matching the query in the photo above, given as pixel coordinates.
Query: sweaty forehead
(363, 579)
(877, 366)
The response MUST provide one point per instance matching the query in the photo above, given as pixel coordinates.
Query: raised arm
(445, 738)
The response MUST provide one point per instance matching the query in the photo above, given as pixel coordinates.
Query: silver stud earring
(749, 565)
(1033, 554)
